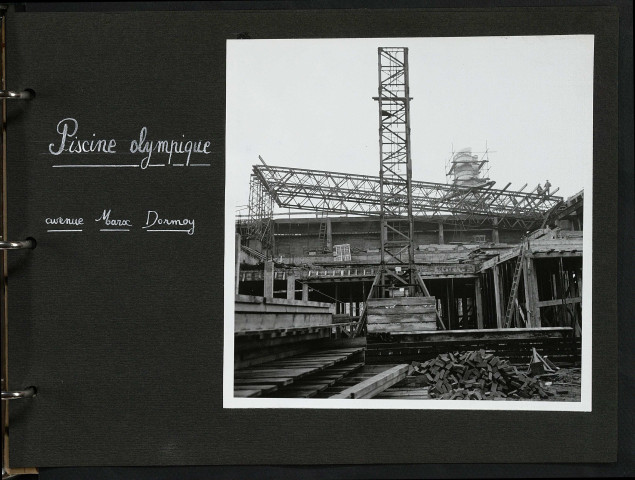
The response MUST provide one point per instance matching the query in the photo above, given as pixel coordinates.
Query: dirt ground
(564, 384)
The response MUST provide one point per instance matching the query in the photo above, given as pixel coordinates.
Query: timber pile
(476, 375)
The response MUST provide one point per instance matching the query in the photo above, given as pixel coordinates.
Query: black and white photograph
(408, 223)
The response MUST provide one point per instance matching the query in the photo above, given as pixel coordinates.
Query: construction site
(389, 287)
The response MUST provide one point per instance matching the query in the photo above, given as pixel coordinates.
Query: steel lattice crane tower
(395, 171)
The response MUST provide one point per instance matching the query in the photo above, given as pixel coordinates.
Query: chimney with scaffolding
(467, 170)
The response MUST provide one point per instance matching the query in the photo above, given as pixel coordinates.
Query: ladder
(322, 237)
(511, 303)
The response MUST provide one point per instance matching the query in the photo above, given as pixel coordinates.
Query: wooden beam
(532, 293)
(473, 335)
(237, 260)
(479, 302)
(497, 296)
(558, 301)
(503, 257)
(556, 254)
(375, 384)
(528, 301)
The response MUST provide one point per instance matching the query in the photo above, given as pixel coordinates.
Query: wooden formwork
(559, 344)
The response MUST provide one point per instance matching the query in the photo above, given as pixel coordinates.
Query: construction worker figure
(547, 186)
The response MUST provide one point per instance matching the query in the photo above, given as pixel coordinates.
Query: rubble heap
(476, 375)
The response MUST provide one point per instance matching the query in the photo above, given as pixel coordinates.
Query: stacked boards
(401, 314)
(298, 376)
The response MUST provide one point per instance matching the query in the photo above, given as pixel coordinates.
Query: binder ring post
(13, 95)
(19, 245)
(18, 394)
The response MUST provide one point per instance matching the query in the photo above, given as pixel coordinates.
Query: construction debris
(476, 375)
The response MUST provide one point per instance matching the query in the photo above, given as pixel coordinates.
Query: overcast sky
(308, 104)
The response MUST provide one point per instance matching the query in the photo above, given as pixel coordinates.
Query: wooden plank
(503, 257)
(402, 309)
(308, 393)
(265, 321)
(497, 298)
(289, 371)
(401, 327)
(375, 384)
(253, 300)
(243, 341)
(379, 302)
(247, 393)
(286, 372)
(564, 244)
(267, 309)
(262, 388)
(258, 381)
(485, 334)
(293, 369)
(533, 298)
(404, 393)
(247, 359)
(318, 387)
(558, 301)
(557, 254)
(431, 317)
(478, 295)
(319, 365)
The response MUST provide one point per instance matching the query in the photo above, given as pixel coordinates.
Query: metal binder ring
(18, 394)
(13, 95)
(22, 244)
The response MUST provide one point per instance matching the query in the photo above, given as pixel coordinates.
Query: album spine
(6, 244)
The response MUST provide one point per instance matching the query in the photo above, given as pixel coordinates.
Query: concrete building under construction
(383, 271)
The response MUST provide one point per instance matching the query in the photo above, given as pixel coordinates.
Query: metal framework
(353, 194)
(260, 214)
(393, 196)
(395, 170)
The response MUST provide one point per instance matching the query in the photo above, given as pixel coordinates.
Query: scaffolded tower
(260, 213)
(395, 171)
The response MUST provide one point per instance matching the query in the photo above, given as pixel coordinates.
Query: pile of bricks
(476, 375)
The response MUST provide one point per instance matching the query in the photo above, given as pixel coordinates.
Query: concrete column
(290, 286)
(269, 271)
(495, 237)
(237, 260)
(441, 239)
(499, 300)
(329, 234)
(305, 292)
(478, 298)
